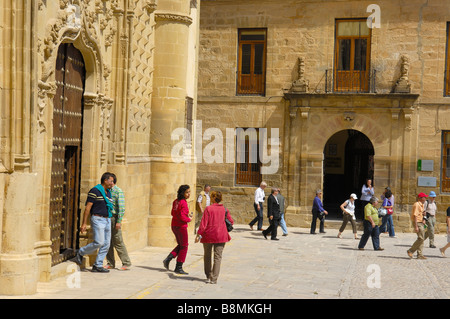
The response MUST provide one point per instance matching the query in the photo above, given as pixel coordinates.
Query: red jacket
(212, 227)
(180, 213)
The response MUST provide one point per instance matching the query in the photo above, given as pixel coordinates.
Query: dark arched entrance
(348, 161)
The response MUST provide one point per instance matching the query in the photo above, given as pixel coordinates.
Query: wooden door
(352, 56)
(66, 152)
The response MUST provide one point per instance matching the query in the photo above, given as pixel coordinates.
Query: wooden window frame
(447, 64)
(355, 83)
(248, 176)
(445, 181)
(257, 85)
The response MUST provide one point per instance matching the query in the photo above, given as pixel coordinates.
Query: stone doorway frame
(97, 109)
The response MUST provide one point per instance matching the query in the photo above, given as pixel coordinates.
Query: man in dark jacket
(274, 215)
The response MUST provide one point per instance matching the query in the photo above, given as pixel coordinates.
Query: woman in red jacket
(213, 234)
(180, 219)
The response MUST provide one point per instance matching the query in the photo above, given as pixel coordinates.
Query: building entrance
(348, 162)
(66, 152)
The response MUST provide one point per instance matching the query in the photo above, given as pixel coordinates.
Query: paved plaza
(299, 265)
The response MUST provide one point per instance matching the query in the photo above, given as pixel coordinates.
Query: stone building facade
(88, 87)
(350, 100)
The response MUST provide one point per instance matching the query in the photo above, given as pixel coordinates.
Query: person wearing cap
(430, 208)
(348, 210)
(419, 227)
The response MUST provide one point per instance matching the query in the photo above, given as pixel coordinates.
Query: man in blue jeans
(99, 207)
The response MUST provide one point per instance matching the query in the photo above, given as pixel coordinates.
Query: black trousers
(272, 229)
(259, 215)
(316, 214)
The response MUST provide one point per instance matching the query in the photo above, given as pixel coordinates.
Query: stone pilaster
(168, 113)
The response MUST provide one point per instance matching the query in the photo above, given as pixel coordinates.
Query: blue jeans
(389, 222)
(101, 227)
(283, 224)
(370, 231)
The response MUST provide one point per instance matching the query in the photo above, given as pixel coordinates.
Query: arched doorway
(66, 152)
(348, 161)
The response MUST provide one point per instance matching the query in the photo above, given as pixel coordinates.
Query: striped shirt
(118, 200)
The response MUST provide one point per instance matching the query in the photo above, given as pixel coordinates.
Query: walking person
(213, 234)
(419, 227)
(258, 206)
(118, 200)
(430, 208)
(274, 215)
(100, 208)
(203, 201)
(371, 225)
(442, 250)
(282, 201)
(180, 219)
(367, 191)
(348, 210)
(386, 220)
(318, 212)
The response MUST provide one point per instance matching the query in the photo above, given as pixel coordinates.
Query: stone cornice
(352, 100)
(174, 17)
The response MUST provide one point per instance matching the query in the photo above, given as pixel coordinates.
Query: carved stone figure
(403, 85)
(300, 85)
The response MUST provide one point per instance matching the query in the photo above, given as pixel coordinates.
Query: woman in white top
(367, 192)
(348, 209)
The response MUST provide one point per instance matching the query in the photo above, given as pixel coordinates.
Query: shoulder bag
(227, 222)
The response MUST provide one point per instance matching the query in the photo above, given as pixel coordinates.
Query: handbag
(382, 211)
(390, 211)
(227, 222)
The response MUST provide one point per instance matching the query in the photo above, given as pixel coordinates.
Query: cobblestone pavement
(299, 265)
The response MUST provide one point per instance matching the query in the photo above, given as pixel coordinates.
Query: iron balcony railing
(354, 81)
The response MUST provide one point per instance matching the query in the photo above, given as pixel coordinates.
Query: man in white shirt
(258, 205)
(203, 201)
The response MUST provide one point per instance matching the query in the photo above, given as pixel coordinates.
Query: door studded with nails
(66, 152)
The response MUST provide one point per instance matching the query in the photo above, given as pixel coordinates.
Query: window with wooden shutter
(252, 62)
(352, 56)
(248, 165)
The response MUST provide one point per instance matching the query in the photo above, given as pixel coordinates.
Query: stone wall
(402, 127)
(128, 58)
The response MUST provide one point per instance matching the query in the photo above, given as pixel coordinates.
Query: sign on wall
(425, 165)
(426, 181)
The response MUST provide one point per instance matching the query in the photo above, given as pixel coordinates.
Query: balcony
(353, 81)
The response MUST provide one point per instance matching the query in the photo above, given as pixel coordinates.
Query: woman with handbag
(348, 209)
(386, 220)
(213, 233)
